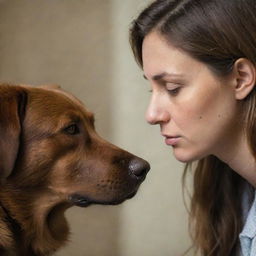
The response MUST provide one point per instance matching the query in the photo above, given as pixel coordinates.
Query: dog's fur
(51, 158)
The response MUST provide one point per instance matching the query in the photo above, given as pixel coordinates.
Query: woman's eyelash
(173, 91)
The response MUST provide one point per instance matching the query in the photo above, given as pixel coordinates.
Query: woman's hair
(217, 33)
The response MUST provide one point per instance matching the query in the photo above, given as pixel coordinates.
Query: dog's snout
(139, 167)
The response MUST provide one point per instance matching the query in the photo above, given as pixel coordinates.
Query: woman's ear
(245, 75)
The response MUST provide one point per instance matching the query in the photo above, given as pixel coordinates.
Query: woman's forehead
(162, 59)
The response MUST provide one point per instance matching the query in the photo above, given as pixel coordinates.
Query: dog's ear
(13, 100)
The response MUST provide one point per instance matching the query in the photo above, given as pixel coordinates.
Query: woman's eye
(72, 129)
(173, 89)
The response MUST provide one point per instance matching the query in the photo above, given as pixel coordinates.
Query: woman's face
(197, 111)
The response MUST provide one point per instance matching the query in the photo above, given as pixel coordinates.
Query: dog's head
(48, 144)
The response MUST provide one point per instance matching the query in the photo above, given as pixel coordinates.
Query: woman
(199, 57)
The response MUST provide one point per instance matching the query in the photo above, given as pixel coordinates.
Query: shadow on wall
(66, 42)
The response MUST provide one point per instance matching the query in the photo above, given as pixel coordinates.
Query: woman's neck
(239, 157)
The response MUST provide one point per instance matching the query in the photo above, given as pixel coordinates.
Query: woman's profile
(199, 57)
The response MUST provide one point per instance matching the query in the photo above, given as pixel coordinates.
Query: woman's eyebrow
(162, 75)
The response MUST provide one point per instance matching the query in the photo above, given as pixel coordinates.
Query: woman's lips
(172, 140)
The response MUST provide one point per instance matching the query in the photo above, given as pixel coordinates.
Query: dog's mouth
(79, 200)
(83, 201)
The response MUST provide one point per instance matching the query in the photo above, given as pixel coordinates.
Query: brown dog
(51, 158)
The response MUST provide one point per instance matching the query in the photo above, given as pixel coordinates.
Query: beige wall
(83, 45)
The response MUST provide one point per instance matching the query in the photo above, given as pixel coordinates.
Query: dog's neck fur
(42, 226)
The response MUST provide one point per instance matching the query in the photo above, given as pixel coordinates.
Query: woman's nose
(157, 112)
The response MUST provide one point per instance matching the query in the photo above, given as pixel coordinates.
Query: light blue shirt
(248, 235)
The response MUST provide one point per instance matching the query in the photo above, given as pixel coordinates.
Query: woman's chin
(185, 156)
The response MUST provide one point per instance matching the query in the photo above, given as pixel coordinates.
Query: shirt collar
(249, 229)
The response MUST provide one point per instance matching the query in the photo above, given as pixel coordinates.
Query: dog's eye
(72, 129)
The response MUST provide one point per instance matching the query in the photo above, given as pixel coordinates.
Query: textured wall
(83, 45)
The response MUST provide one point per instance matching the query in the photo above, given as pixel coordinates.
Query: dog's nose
(139, 167)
